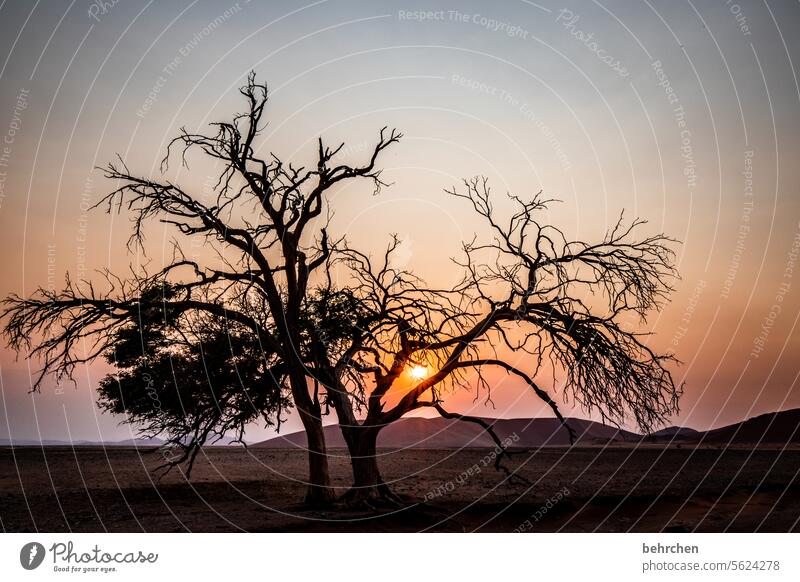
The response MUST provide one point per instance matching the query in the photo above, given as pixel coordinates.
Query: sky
(682, 113)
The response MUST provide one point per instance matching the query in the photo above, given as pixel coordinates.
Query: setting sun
(419, 372)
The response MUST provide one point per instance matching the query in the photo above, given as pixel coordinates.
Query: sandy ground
(649, 488)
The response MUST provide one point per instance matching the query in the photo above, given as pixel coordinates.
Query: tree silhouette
(528, 294)
(301, 319)
(207, 382)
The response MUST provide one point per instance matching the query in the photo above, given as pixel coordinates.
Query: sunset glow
(700, 146)
(419, 372)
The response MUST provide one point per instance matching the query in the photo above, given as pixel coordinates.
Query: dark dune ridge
(440, 433)
(773, 428)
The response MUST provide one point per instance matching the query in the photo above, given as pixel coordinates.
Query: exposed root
(318, 498)
(379, 497)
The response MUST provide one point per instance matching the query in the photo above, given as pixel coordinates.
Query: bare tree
(528, 295)
(311, 320)
(263, 214)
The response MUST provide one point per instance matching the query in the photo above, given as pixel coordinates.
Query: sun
(419, 372)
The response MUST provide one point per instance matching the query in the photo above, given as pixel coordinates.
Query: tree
(202, 350)
(207, 382)
(262, 290)
(527, 292)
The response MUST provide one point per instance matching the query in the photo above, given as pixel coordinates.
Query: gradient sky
(683, 113)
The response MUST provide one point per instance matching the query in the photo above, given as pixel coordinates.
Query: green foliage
(334, 315)
(192, 381)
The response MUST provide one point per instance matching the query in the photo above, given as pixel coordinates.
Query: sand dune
(440, 433)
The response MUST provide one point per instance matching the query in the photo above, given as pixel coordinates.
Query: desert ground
(646, 488)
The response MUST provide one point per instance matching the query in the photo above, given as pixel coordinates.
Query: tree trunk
(319, 492)
(363, 456)
(367, 482)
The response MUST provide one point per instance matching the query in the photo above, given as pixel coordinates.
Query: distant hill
(126, 443)
(772, 428)
(57, 443)
(441, 433)
(674, 432)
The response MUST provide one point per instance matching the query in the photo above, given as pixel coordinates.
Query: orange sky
(693, 126)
